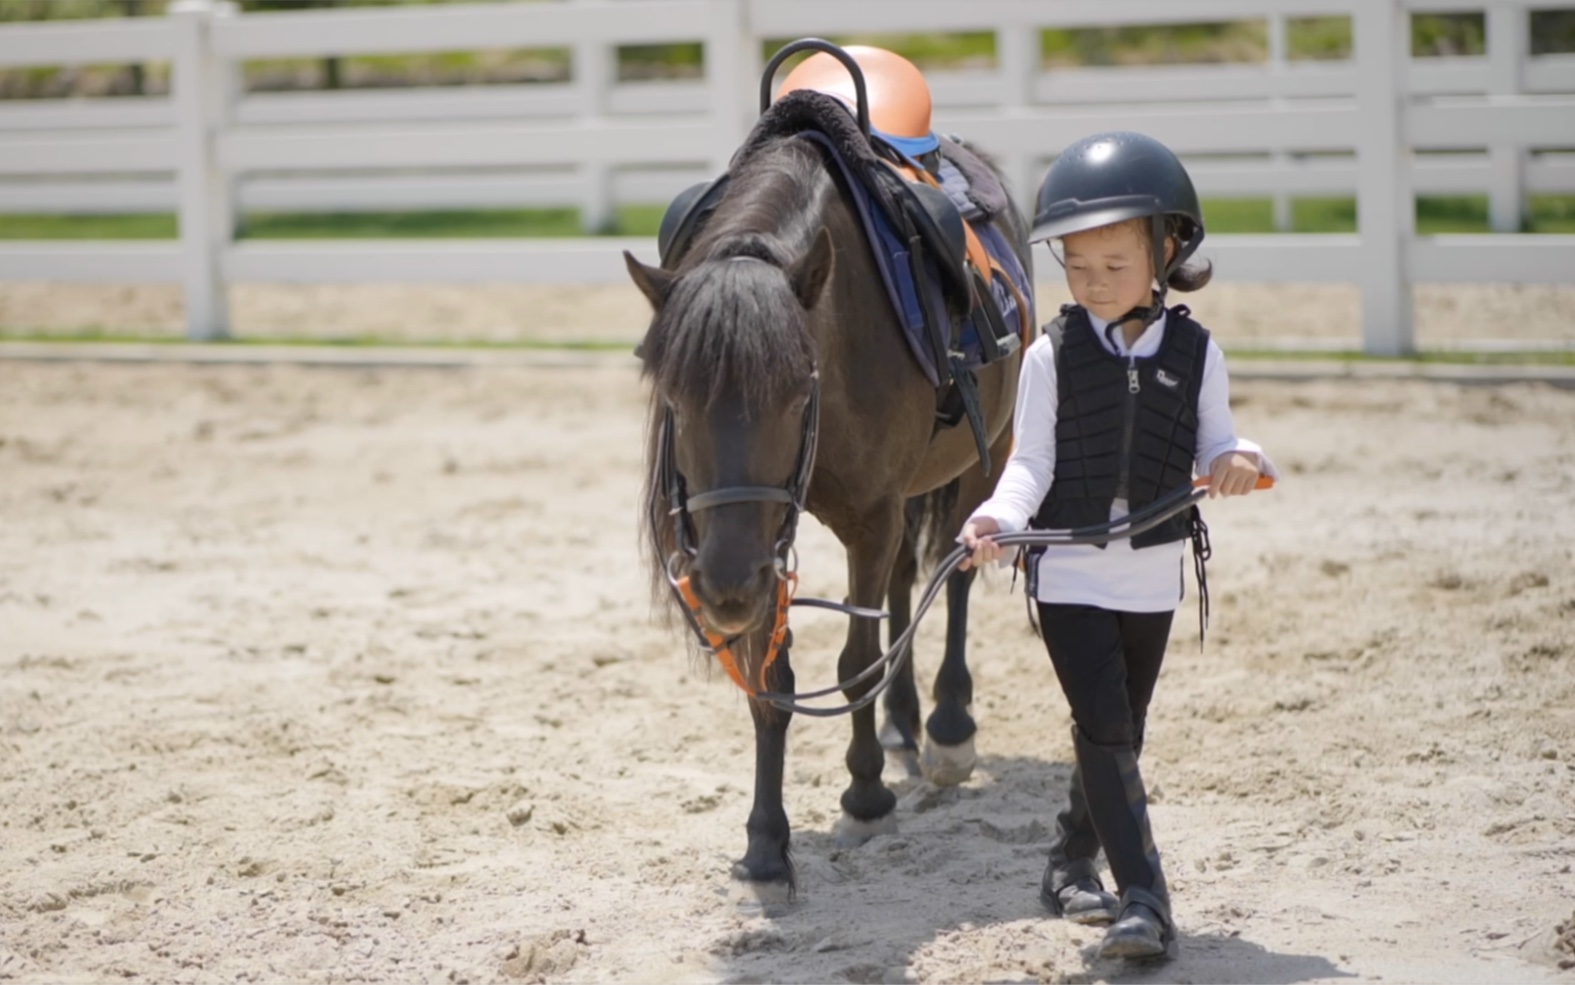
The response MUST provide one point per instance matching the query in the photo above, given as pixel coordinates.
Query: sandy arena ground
(349, 675)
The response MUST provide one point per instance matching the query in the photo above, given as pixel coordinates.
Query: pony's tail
(933, 522)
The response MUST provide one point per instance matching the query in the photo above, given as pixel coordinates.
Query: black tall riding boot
(1118, 807)
(1071, 886)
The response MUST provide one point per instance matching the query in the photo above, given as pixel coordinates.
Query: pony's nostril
(734, 603)
(733, 591)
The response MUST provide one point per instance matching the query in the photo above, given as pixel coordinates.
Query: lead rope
(890, 663)
(1202, 550)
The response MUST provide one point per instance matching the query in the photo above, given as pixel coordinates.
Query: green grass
(633, 220)
(1434, 216)
(412, 225)
(661, 61)
(1454, 214)
(927, 51)
(1230, 41)
(1551, 214)
(1238, 215)
(87, 227)
(1338, 215)
(1323, 215)
(1448, 34)
(1318, 38)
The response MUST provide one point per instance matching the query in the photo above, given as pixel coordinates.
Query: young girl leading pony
(1117, 404)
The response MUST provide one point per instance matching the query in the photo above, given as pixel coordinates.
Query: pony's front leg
(868, 805)
(949, 754)
(766, 870)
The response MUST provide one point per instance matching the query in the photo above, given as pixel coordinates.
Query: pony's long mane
(731, 324)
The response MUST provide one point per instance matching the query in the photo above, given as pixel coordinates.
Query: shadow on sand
(953, 896)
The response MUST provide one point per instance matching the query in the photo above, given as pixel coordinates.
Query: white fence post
(1508, 47)
(732, 75)
(1279, 59)
(202, 98)
(595, 70)
(1017, 50)
(1018, 62)
(1385, 203)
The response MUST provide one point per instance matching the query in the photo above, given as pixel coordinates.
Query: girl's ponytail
(1194, 275)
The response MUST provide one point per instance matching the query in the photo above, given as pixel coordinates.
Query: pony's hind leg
(949, 754)
(765, 873)
(949, 757)
(900, 733)
(868, 805)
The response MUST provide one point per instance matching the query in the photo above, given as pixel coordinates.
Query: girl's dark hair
(1195, 274)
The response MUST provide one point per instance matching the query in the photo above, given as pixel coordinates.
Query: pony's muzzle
(738, 602)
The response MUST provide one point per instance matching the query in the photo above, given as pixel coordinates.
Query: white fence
(1381, 125)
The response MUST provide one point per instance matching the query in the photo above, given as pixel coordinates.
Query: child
(1116, 404)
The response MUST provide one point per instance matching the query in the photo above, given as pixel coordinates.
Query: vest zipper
(1128, 425)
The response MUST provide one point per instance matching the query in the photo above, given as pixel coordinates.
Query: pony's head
(731, 363)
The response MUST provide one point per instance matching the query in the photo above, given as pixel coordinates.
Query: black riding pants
(1108, 663)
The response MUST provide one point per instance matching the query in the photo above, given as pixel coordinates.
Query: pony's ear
(653, 282)
(810, 272)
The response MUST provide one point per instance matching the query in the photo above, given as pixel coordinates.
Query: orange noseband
(786, 586)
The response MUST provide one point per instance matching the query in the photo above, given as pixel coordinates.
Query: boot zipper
(1128, 424)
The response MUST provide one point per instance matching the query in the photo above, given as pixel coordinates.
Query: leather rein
(682, 506)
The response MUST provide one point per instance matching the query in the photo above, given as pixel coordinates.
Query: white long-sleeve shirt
(1118, 577)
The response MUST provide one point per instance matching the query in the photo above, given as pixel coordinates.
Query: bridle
(682, 506)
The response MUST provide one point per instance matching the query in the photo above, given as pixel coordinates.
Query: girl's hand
(1233, 474)
(976, 537)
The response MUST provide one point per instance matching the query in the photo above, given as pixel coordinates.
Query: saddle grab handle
(819, 44)
(1264, 482)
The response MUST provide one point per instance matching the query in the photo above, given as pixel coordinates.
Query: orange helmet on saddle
(899, 98)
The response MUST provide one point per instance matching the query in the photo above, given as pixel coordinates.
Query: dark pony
(774, 327)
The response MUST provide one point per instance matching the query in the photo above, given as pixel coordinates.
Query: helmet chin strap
(1152, 313)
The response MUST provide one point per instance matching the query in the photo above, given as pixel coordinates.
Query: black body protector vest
(1126, 428)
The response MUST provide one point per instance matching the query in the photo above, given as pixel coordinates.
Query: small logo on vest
(1165, 379)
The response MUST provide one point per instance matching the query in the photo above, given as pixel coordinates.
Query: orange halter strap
(722, 647)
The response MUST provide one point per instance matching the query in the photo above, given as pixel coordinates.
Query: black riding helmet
(1113, 177)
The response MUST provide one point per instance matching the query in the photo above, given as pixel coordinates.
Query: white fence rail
(1382, 126)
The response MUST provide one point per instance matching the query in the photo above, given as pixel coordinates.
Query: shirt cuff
(1248, 447)
(1008, 519)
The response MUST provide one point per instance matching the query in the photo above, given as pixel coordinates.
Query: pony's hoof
(947, 766)
(850, 832)
(752, 894)
(760, 897)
